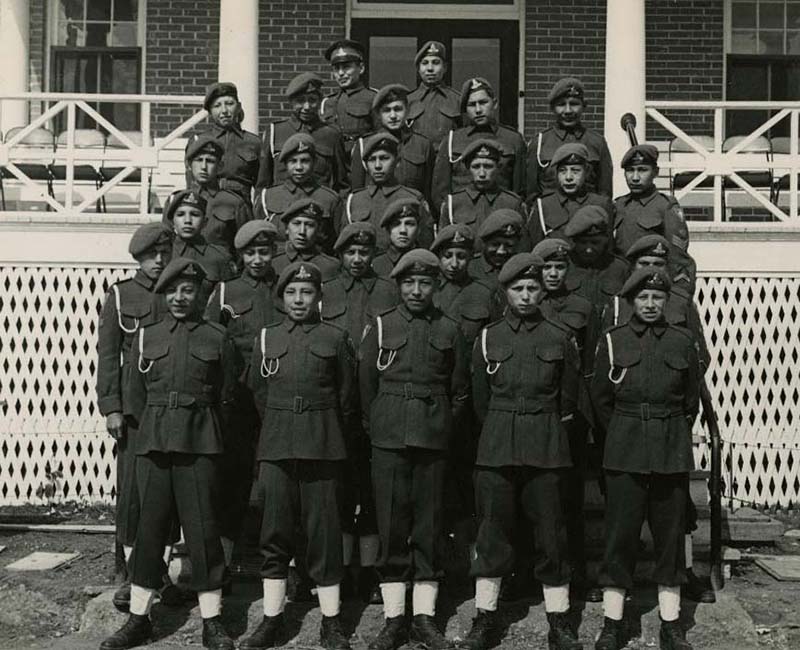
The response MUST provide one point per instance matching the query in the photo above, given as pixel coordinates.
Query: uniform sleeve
(427, 188)
(440, 184)
(695, 325)
(136, 399)
(574, 397)
(683, 269)
(608, 206)
(244, 213)
(253, 379)
(346, 380)
(358, 175)
(602, 390)
(341, 172)
(444, 214)
(368, 376)
(520, 157)
(525, 244)
(265, 163)
(228, 383)
(605, 172)
(532, 181)
(535, 232)
(109, 347)
(481, 391)
(460, 380)
(425, 236)
(214, 313)
(259, 209)
(691, 402)
(330, 226)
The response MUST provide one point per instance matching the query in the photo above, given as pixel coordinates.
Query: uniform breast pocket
(359, 114)
(154, 360)
(323, 162)
(677, 366)
(203, 363)
(440, 352)
(323, 358)
(247, 160)
(411, 170)
(548, 364)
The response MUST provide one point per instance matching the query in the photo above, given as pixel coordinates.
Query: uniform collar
(306, 326)
(492, 127)
(353, 89)
(368, 280)
(198, 243)
(474, 193)
(641, 327)
(515, 322)
(403, 311)
(438, 89)
(307, 255)
(234, 128)
(209, 189)
(298, 126)
(644, 199)
(143, 281)
(578, 198)
(268, 280)
(387, 189)
(191, 323)
(307, 187)
(576, 133)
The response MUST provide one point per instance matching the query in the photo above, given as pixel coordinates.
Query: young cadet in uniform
(526, 383)
(226, 210)
(330, 167)
(351, 300)
(302, 374)
(434, 107)
(303, 222)
(128, 304)
(348, 108)
(413, 374)
(646, 211)
(501, 235)
(370, 203)
(182, 380)
(567, 103)
(299, 153)
(551, 213)
(415, 153)
(646, 391)
(471, 205)
(238, 167)
(479, 108)
(243, 306)
(401, 222)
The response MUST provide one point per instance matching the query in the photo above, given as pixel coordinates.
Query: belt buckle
(408, 390)
(644, 409)
(521, 405)
(298, 404)
(173, 399)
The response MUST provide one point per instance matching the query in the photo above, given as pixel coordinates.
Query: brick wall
(36, 63)
(294, 36)
(182, 53)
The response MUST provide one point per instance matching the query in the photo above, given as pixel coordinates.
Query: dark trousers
(127, 509)
(303, 494)
(359, 501)
(459, 496)
(409, 489)
(574, 495)
(237, 473)
(506, 495)
(630, 498)
(186, 486)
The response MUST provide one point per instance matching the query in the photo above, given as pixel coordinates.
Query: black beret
(217, 90)
(454, 235)
(204, 144)
(301, 271)
(180, 268)
(147, 236)
(570, 153)
(306, 207)
(358, 232)
(654, 245)
(419, 261)
(502, 222)
(382, 140)
(253, 229)
(587, 220)
(392, 90)
(401, 208)
(474, 85)
(431, 48)
(566, 87)
(521, 265)
(646, 279)
(482, 148)
(303, 83)
(344, 50)
(552, 249)
(185, 197)
(641, 154)
(297, 143)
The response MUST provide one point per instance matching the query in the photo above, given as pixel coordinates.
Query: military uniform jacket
(216, 260)
(182, 379)
(414, 378)
(471, 206)
(480, 270)
(415, 160)
(551, 213)
(271, 203)
(660, 214)
(384, 262)
(330, 167)
(451, 174)
(303, 379)
(646, 392)
(226, 212)
(433, 111)
(542, 177)
(128, 304)
(369, 204)
(525, 379)
(238, 169)
(351, 302)
(576, 313)
(469, 303)
(328, 266)
(349, 110)
(679, 311)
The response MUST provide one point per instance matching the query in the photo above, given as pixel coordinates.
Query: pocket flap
(414, 111)
(453, 112)
(205, 353)
(625, 357)
(676, 361)
(358, 110)
(475, 312)
(324, 349)
(247, 155)
(648, 221)
(135, 309)
(275, 347)
(550, 353)
(414, 157)
(155, 349)
(223, 213)
(394, 341)
(499, 352)
(441, 343)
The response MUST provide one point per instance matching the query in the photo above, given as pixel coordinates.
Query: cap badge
(302, 273)
(476, 84)
(418, 267)
(302, 146)
(509, 229)
(191, 197)
(362, 237)
(340, 52)
(484, 151)
(659, 249)
(433, 49)
(458, 237)
(407, 211)
(190, 270)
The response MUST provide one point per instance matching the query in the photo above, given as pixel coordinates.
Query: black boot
(393, 634)
(610, 636)
(331, 635)
(672, 636)
(265, 635)
(425, 633)
(581, 588)
(136, 631)
(561, 636)
(122, 597)
(369, 586)
(215, 636)
(698, 589)
(482, 633)
(298, 587)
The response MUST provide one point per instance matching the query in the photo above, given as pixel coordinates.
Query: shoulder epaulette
(216, 326)
(682, 330)
(563, 327)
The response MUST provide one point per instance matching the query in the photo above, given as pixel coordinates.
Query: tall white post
(625, 77)
(238, 54)
(15, 55)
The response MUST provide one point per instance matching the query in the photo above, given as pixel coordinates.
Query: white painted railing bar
(110, 98)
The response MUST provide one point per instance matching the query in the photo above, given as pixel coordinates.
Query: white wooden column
(15, 57)
(238, 54)
(625, 77)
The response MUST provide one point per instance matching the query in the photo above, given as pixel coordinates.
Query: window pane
(793, 42)
(124, 34)
(476, 57)
(391, 60)
(98, 10)
(770, 15)
(770, 42)
(743, 15)
(793, 15)
(72, 34)
(97, 34)
(744, 42)
(126, 9)
(71, 10)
